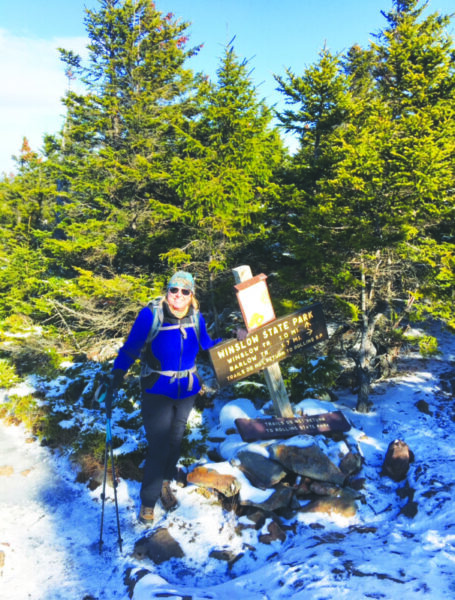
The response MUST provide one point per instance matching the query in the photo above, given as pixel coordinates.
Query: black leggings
(164, 422)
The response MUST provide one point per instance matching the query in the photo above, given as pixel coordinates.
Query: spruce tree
(416, 74)
(96, 209)
(119, 138)
(225, 175)
(377, 220)
(318, 103)
(25, 212)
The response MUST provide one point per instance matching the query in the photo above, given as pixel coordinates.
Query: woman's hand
(241, 333)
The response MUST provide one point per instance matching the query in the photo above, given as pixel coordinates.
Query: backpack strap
(173, 375)
(156, 308)
(196, 323)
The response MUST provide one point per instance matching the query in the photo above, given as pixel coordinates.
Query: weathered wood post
(272, 373)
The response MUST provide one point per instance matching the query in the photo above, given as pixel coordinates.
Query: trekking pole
(103, 498)
(109, 451)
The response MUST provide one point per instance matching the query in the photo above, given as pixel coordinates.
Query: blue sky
(272, 34)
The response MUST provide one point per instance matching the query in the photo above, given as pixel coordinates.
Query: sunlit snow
(49, 527)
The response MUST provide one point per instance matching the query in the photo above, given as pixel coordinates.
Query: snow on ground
(50, 525)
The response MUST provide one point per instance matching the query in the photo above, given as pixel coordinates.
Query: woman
(169, 382)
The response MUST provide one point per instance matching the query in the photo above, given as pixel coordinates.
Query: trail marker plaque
(234, 360)
(276, 427)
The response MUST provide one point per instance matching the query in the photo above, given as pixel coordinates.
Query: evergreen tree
(24, 213)
(377, 220)
(416, 73)
(119, 138)
(97, 209)
(225, 175)
(319, 103)
(25, 196)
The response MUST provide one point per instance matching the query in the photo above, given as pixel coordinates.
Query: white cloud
(33, 83)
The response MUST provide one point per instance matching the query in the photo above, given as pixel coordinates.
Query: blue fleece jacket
(172, 350)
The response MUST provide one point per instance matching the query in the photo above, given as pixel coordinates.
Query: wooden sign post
(272, 373)
(269, 340)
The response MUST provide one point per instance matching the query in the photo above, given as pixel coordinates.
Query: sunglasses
(184, 291)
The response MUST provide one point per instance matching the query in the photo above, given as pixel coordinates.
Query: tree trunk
(364, 403)
(213, 305)
(366, 352)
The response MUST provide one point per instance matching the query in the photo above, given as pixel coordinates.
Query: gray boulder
(260, 471)
(308, 461)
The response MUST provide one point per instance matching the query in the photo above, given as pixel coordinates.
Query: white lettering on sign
(237, 359)
(238, 346)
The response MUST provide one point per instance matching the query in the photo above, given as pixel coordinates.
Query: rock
(226, 555)
(214, 456)
(341, 506)
(350, 493)
(303, 488)
(406, 492)
(159, 547)
(210, 478)
(397, 460)
(280, 498)
(274, 533)
(424, 407)
(257, 518)
(351, 463)
(322, 488)
(357, 484)
(309, 461)
(410, 509)
(261, 471)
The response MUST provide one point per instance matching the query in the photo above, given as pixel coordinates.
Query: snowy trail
(48, 554)
(49, 523)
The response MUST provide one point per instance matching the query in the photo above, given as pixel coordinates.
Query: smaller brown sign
(281, 427)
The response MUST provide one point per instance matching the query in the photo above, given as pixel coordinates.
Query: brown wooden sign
(235, 360)
(279, 427)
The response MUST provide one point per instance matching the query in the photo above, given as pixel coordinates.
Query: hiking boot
(146, 515)
(180, 477)
(168, 499)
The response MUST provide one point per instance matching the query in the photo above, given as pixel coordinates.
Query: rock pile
(269, 481)
(281, 475)
(277, 476)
